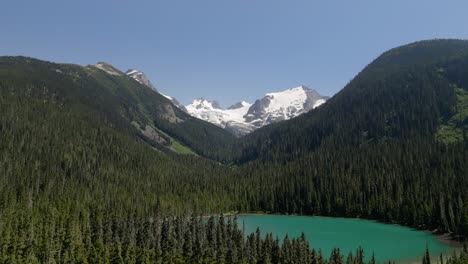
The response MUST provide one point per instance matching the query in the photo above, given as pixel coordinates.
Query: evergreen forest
(97, 168)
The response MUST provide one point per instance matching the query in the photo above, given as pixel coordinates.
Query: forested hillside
(111, 98)
(392, 145)
(90, 171)
(407, 93)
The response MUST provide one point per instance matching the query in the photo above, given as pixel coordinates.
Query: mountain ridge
(81, 180)
(140, 77)
(382, 103)
(112, 97)
(243, 117)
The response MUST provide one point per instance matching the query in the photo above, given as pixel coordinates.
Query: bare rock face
(151, 134)
(257, 113)
(236, 105)
(108, 68)
(176, 103)
(169, 114)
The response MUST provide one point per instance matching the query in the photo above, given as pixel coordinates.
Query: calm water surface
(388, 242)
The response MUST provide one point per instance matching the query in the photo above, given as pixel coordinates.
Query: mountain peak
(239, 105)
(140, 77)
(291, 91)
(202, 103)
(108, 68)
(300, 87)
(243, 117)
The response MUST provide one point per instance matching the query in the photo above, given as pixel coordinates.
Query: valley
(94, 165)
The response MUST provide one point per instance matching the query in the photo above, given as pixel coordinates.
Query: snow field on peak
(287, 103)
(205, 110)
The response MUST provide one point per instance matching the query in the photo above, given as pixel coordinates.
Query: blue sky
(227, 50)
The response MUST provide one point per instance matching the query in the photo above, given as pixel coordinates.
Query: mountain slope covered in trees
(395, 136)
(407, 92)
(82, 179)
(108, 95)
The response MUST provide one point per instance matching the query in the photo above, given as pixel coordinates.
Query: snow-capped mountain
(231, 119)
(242, 118)
(140, 77)
(283, 105)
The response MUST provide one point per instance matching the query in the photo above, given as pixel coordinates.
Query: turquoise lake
(388, 242)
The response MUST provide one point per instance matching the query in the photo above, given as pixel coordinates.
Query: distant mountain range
(243, 117)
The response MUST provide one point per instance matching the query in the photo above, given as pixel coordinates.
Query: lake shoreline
(445, 238)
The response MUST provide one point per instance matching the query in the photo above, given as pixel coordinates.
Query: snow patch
(132, 72)
(167, 96)
(319, 103)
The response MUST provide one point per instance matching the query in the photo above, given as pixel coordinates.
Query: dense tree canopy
(82, 180)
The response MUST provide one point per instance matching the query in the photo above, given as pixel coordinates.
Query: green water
(388, 242)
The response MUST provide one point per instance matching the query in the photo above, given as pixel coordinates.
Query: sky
(227, 50)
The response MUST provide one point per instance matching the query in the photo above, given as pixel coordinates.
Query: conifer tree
(350, 259)
(372, 261)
